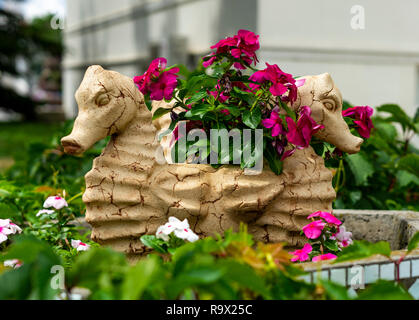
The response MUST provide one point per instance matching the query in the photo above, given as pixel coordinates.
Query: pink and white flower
(44, 211)
(55, 202)
(7, 228)
(5, 231)
(80, 246)
(180, 229)
(14, 263)
(344, 237)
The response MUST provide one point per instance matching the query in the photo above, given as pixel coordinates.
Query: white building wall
(376, 65)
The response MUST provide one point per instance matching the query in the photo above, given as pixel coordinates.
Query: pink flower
(300, 133)
(80, 246)
(164, 86)
(274, 122)
(330, 218)
(55, 202)
(327, 256)
(302, 254)
(7, 228)
(242, 46)
(362, 116)
(157, 82)
(4, 230)
(344, 237)
(314, 229)
(14, 263)
(143, 82)
(281, 82)
(210, 61)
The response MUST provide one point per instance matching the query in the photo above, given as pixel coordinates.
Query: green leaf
(273, 159)
(8, 211)
(335, 291)
(386, 130)
(140, 277)
(252, 118)
(384, 290)
(233, 110)
(148, 103)
(398, 115)
(331, 245)
(246, 276)
(160, 112)
(410, 163)
(197, 97)
(413, 243)
(153, 242)
(198, 110)
(404, 178)
(360, 168)
(364, 249)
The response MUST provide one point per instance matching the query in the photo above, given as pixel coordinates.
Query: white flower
(5, 230)
(181, 230)
(15, 263)
(56, 202)
(80, 246)
(45, 211)
(15, 228)
(344, 237)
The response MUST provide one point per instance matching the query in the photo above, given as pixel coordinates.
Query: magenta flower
(327, 256)
(281, 82)
(274, 122)
(314, 229)
(300, 133)
(328, 217)
(164, 86)
(157, 82)
(362, 116)
(242, 46)
(143, 82)
(302, 254)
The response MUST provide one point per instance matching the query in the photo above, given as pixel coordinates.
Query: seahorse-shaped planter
(129, 193)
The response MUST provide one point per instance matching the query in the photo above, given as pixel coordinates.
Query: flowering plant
(326, 238)
(170, 236)
(228, 93)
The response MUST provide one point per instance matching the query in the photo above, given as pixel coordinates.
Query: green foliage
(413, 243)
(384, 174)
(33, 279)
(385, 290)
(363, 249)
(229, 268)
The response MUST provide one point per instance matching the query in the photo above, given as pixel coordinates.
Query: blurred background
(371, 49)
